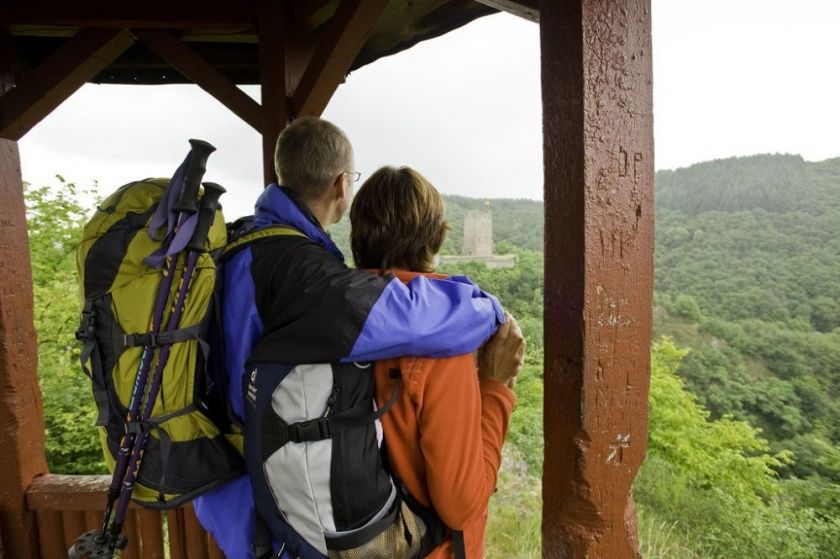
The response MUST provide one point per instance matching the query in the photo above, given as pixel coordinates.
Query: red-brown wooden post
(271, 23)
(598, 146)
(21, 416)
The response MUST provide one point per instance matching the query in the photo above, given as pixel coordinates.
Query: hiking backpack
(322, 486)
(188, 450)
(147, 268)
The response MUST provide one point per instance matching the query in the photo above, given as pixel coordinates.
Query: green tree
(716, 481)
(55, 217)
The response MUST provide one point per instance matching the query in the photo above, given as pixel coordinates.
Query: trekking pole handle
(206, 215)
(201, 150)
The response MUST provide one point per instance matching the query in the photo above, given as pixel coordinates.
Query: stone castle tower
(478, 233)
(478, 242)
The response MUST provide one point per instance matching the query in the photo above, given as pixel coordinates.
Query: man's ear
(340, 186)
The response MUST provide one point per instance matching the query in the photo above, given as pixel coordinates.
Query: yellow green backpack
(147, 267)
(148, 263)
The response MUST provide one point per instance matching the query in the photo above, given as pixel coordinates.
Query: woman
(444, 435)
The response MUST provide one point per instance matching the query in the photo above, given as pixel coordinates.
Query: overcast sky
(731, 77)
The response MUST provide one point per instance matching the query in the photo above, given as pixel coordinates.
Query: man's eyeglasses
(353, 175)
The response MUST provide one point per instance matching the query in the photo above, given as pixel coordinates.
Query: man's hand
(502, 357)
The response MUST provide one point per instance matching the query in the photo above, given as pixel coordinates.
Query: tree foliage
(717, 483)
(55, 216)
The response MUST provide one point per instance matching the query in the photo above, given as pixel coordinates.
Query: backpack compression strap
(276, 432)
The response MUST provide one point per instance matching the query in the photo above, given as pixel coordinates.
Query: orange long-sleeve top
(444, 437)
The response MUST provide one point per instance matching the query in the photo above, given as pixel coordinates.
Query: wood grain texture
(60, 492)
(527, 9)
(194, 534)
(151, 533)
(73, 525)
(132, 533)
(21, 410)
(598, 160)
(177, 535)
(51, 532)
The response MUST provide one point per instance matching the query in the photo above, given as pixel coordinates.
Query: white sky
(731, 77)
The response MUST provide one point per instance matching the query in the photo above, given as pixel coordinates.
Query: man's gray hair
(310, 154)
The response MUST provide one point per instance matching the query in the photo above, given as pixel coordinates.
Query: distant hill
(748, 256)
(753, 237)
(782, 185)
(776, 183)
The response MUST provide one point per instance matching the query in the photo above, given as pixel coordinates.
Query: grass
(513, 526)
(661, 540)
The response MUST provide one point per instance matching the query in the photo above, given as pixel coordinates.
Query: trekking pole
(206, 215)
(94, 543)
(186, 205)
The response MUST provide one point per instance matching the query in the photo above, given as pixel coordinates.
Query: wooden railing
(67, 506)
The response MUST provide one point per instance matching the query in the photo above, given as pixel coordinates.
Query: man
(291, 299)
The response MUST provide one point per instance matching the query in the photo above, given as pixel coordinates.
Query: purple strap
(179, 228)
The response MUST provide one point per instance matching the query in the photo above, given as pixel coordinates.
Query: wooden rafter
(338, 44)
(89, 52)
(203, 74)
(528, 9)
(313, 13)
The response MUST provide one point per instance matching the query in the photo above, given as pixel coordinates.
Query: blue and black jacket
(292, 300)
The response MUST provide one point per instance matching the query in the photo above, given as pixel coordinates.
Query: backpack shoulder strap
(250, 238)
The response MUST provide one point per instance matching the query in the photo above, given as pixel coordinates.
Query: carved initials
(624, 163)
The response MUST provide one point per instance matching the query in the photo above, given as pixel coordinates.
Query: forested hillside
(752, 269)
(743, 458)
(748, 282)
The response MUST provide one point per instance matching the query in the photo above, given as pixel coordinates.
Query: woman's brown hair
(397, 221)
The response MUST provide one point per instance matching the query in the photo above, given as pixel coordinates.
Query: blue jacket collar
(278, 205)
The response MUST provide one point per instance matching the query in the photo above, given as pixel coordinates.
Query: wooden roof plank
(528, 9)
(341, 40)
(203, 74)
(77, 61)
(158, 14)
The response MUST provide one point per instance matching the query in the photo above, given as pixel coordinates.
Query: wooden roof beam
(338, 44)
(310, 14)
(528, 9)
(203, 74)
(156, 14)
(159, 14)
(77, 61)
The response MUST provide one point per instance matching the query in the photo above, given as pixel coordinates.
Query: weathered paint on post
(21, 415)
(271, 26)
(598, 150)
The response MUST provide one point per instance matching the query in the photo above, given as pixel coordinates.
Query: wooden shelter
(598, 153)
